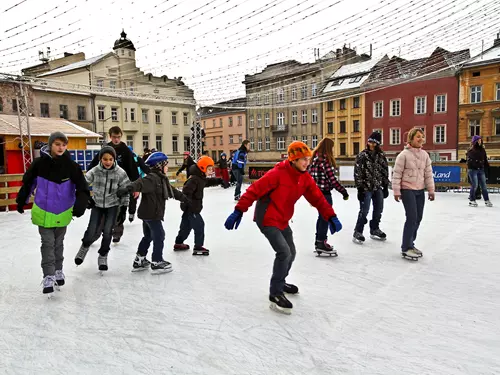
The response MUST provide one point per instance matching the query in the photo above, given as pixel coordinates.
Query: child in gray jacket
(106, 179)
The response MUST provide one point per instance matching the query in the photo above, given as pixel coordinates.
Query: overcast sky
(213, 44)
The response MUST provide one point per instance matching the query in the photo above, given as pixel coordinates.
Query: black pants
(132, 206)
(108, 217)
(191, 221)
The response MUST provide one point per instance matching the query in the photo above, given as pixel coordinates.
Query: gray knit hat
(107, 150)
(57, 135)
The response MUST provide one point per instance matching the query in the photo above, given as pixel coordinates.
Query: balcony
(279, 128)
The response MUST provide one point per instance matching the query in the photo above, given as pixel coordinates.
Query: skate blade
(409, 257)
(331, 254)
(357, 241)
(201, 253)
(280, 310)
(180, 249)
(377, 238)
(159, 272)
(139, 269)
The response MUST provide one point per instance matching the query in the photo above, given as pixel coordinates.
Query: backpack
(141, 172)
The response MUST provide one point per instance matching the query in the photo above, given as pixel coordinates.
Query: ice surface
(366, 312)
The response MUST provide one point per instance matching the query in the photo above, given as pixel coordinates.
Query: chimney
(496, 42)
(371, 50)
(338, 53)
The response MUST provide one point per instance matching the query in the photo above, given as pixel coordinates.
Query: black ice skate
(378, 235)
(472, 204)
(290, 289)
(140, 264)
(281, 304)
(358, 238)
(116, 239)
(200, 250)
(48, 284)
(80, 256)
(410, 254)
(322, 247)
(102, 262)
(181, 247)
(236, 198)
(131, 217)
(161, 267)
(60, 278)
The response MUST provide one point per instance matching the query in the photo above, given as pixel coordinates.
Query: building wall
(486, 112)
(408, 119)
(10, 91)
(230, 134)
(12, 142)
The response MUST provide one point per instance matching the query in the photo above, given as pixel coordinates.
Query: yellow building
(479, 106)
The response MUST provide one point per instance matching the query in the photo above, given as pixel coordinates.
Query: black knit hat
(107, 150)
(375, 137)
(57, 135)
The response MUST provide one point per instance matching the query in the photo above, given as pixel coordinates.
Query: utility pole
(196, 139)
(23, 115)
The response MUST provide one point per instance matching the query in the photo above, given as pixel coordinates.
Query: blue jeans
(153, 231)
(413, 202)
(475, 176)
(105, 217)
(191, 221)
(377, 197)
(322, 224)
(238, 175)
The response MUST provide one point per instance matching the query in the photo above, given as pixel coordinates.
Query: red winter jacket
(276, 193)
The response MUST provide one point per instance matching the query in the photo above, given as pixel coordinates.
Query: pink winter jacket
(412, 171)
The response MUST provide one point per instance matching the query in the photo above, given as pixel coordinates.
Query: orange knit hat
(204, 163)
(298, 150)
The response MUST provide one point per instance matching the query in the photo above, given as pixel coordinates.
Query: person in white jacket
(412, 173)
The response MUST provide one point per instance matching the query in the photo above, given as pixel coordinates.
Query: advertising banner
(446, 174)
(254, 173)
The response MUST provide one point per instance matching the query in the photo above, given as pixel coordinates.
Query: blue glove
(334, 224)
(233, 221)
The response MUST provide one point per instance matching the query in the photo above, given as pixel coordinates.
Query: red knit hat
(204, 163)
(298, 150)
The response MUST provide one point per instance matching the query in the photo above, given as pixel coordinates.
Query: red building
(423, 93)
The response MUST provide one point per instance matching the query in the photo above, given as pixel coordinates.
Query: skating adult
(238, 166)
(186, 164)
(477, 164)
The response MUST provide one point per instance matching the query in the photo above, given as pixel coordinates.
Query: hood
(45, 153)
(413, 149)
(101, 167)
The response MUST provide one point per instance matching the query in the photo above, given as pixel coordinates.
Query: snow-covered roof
(357, 68)
(345, 83)
(490, 55)
(77, 65)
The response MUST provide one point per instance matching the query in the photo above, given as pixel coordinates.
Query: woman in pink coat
(411, 175)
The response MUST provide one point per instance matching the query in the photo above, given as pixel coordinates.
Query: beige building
(153, 112)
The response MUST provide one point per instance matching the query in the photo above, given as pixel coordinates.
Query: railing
(279, 128)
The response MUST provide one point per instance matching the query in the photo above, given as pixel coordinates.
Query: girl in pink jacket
(412, 173)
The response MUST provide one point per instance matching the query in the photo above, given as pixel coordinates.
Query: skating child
(191, 218)
(411, 174)
(223, 167)
(477, 163)
(371, 176)
(61, 192)
(106, 179)
(276, 193)
(322, 170)
(155, 189)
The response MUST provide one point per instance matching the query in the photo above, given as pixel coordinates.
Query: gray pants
(52, 249)
(282, 243)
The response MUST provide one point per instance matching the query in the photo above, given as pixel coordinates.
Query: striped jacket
(323, 174)
(105, 183)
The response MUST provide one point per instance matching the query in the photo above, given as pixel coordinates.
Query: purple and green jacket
(60, 189)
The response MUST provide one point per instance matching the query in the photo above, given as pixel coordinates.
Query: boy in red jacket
(276, 193)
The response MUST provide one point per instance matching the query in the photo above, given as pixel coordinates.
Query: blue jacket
(240, 158)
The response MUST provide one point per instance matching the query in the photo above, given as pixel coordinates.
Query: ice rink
(366, 312)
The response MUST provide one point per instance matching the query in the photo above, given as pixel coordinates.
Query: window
(314, 90)
(355, 148)
(220, 123)
(251, 122)
(185, 117)
(314, 116)
(259, 144)
(125, 114)
(114, 113)
(304, 116)
(280, 143)
(131, 88)
(440, 134)
(475, 94)
(440, 103)
(497, 125)
(268, 143)
(342, 149)
(330, 128)
(44, 109)
(267, 120)
(280, 120)
(174, 118)
(304, 139)
(355, 126)
(159, 143)
(252, 144)
(14, 105)
(378, 110)
(214, 141)
(476, 74)
(294, 93)
(187, 143)
(81, 113)
(112, 85)
(343, 127)
(355, 79)
(294, 138)
(396, 107)
(130, 141)
(240, 138)
(240, 120)
(266, 98)
(355, 102)
(63, 111)
(145, 141)
(257, 99)
(1, 105)
(314, 142)
(132, 114)
(231, 140)
(395, 136)
(100, 112)
(259, 120)
(474, 128)
(304, 92)
(329, 106)
(175, 144)
(497, 96)
(204, 124)
(382, 135)
(230, 121)
(280, 95)
(342, 104)
(213, 123)
(420, 105)
(145, 115)
(294, 117)
(100, 84)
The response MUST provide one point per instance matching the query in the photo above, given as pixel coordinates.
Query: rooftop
(489, 56)
(77, 65)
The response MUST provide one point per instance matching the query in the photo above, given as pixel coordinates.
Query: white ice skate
(472, 204)
(102, 262)
(48, 285)
(410, 254)
(80, 256)
(488, 204)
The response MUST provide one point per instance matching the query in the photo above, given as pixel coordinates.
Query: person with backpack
(238, 167)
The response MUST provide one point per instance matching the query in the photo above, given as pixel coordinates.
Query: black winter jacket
(193, 189)
(124, 158)
(477, 158)
(371, 171)
(186, 164)
(222, 163)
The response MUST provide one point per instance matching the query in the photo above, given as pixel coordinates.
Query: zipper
(104, 196)
(110, 186)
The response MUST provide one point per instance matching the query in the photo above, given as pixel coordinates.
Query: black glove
(345, 194)
(122, 192)
(122, 214)
(386, 191)
(78, 211)
(361, 195)
(91, 204)
(177, 173)
(20, 208)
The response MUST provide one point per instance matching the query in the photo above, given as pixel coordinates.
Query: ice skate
(80, 256)
(116, 239)
(131, 217)
(290, 289)
(281, 304)
(322, 247)
(48, 285)
(102, 262)
(378, 235)
(418, 252)
(200, 250)
(410, 254)
(472, 204)
(236, 198)
(488, 204)
(358, 238)
(140, 264)
(60, 278)
(161, 267)
(181, 247)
